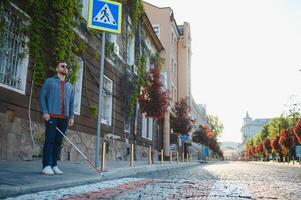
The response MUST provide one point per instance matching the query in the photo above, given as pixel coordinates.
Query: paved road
(221, 180)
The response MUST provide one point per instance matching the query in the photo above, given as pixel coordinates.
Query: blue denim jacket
(50, 97)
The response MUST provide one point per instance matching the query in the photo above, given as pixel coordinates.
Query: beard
(63, 72)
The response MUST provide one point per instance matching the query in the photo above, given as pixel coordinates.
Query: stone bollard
(103, 157)
(183, 157)
(177, 157)
(162, 157)
(149, 155)
(132, 155)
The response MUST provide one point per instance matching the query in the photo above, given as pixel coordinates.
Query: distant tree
(215, 124)
(182, 122)
(275, 144)
(200, 135)
(267, 146)
(297, 131)
(286, 141)
(154, 99)
(276, 125)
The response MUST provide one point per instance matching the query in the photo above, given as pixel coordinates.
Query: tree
(182, 122)
(267, 146)
(275, 144)
(154, 99)
(200, 135)
(286, 141)
(297, 131)
(215, 124)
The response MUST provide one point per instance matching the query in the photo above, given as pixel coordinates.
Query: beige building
(166, 28)
(184, 62)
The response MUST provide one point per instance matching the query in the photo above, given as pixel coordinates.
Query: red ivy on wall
(154, 99)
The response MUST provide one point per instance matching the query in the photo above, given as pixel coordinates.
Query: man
(56, 103)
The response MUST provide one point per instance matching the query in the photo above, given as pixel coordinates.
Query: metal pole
(102, 56)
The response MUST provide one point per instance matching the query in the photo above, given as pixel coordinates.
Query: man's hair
(60, 62)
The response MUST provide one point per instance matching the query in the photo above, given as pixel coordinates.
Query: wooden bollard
(103, 157)
(149, 155)
(132, 155)
(170, 157)
(177, 157)
(162, 157)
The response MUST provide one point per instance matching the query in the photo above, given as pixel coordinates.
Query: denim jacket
(50, 97)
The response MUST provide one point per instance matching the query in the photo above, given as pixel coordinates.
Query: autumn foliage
(297, 131)
(267, 145)
(181, 123)
(204, 135)
(154, 99)
(286, 140)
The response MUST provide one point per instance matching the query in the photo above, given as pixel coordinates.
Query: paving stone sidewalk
(22, 177)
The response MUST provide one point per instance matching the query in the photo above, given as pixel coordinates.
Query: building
(21, 127)
(251, 127)
(167, 30)
(184, 63)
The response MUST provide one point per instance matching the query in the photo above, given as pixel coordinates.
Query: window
(130, 49)
(156, 28)
(85, 9)
(14, 51)
(78, 86)
(107, 101)
(147, 127)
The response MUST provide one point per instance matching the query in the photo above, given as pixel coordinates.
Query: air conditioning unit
(116, 49)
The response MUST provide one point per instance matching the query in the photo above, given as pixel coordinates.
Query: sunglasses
(63, 66)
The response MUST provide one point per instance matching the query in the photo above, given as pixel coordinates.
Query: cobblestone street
(221, 180)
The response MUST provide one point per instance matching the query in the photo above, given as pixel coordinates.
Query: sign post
(298, 152)
(105, 16)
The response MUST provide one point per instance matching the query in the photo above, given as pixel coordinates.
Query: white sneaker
(57, 171)
(47, 170)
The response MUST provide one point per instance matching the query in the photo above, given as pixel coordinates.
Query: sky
(246, 56)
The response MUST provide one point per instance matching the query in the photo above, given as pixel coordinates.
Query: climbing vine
(36, 32)
(139, 82)
(66, 42)
(52, 36)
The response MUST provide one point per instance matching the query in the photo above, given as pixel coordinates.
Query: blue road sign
(184, 137)
(298, 150)
(206, 151)
(105, 15)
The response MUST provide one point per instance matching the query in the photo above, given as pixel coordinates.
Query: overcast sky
(246, 56)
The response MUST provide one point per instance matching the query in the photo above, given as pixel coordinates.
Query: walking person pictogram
(105, 16)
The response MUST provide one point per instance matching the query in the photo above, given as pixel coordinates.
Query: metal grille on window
(12, 51)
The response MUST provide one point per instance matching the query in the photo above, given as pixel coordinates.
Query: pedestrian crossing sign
(105, 15)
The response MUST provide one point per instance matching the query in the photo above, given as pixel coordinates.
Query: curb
(9, 191)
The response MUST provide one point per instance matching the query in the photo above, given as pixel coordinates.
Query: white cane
(89, 161)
